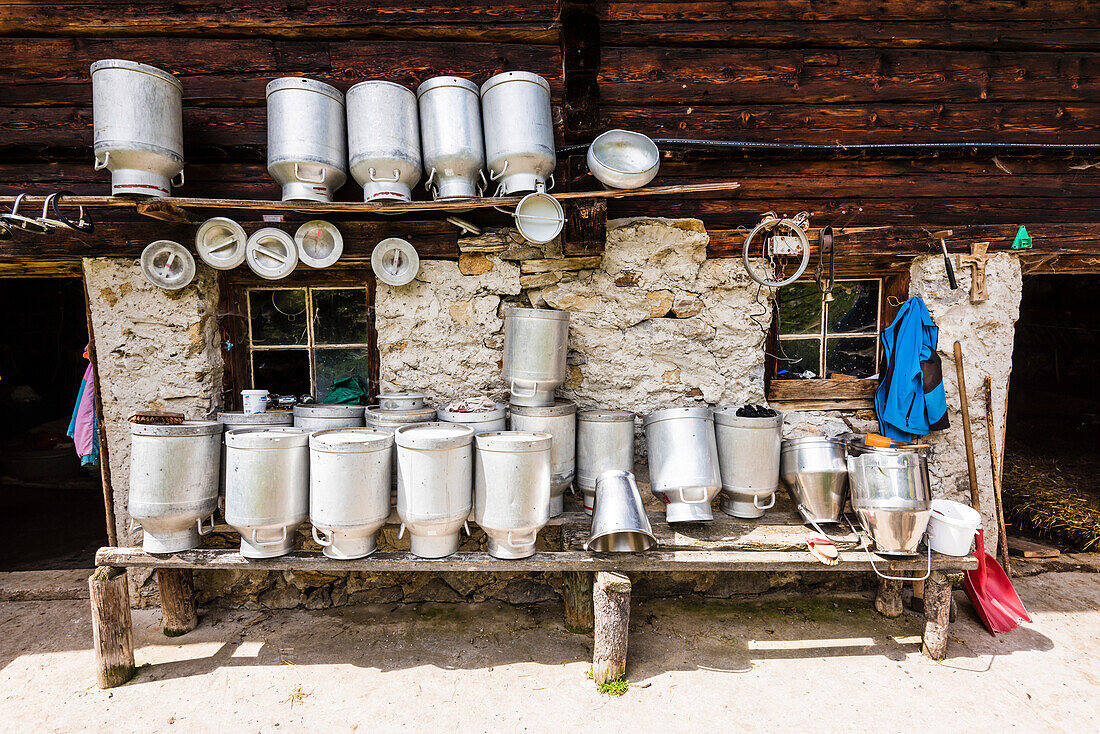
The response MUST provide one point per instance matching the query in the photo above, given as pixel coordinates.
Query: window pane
(281, 372)
(851, 356)
(278, 316)
(340, 316)
(854, 307)
(799, 309)
(336, 364)
(799, 359)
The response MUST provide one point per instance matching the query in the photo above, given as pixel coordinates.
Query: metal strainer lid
(220, 243)
(168, 264)
(395, 261)
(271, 253)
(320, 243)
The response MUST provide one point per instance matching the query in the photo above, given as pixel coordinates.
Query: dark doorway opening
(1052, 462)
(53, 505)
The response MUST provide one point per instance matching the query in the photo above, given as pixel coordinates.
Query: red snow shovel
(989, 589)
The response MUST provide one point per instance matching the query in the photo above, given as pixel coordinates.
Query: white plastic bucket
(255, 401)
(951, 528)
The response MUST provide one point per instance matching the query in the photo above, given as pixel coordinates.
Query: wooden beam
(794, 390)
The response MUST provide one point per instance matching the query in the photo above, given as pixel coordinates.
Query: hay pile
(1052, 501)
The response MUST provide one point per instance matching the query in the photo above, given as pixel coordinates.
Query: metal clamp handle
(395, 179)
(496, 176)
(100, 166)
(268, 542)
(927, 573)
(211, 518)
(303, 179)
(320, 542)
(763, 507)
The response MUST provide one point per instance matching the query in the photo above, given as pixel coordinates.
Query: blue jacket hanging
(910, 399)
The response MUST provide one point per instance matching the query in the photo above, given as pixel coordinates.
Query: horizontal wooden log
(870, 10)
(794, 390)
(630, 75)
(466, 562)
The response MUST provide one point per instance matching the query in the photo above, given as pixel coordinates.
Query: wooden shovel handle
(975, 502)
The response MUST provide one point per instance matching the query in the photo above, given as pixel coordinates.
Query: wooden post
(611, 616)
(112, 626)
(576, 591)
(101, 425)
(937, 615)
(916, 602)
(177, 601)
(888, 598)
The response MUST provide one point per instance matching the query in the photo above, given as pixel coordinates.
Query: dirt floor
(805, 664)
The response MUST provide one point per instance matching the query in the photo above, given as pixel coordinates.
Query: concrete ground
(811, 664)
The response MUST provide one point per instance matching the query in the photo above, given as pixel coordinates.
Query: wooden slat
(869, 10)
(466, 562)
(794, 390)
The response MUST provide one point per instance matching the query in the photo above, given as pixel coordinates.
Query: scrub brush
(823, 550)
(157, 417)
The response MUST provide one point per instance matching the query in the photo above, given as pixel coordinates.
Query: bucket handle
(298, 175)
(395, 179)
(320, 542)
(763, 507)
(881, 575)
(211, 529)
(180, 175)
(496, 176)
(806, 516)
(106, 159)
(267, 542)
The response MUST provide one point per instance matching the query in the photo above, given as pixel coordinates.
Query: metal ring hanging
(768, 223)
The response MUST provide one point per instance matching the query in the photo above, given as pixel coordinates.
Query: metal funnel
(814, 471)
(619, 522)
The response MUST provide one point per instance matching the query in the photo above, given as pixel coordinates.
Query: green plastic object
(1023, 240)
(348, 391)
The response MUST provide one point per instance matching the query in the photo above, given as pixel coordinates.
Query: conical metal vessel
(814, 471)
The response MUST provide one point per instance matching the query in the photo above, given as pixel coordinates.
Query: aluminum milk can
(307, 152)
(605, 442)
(482, 422)
(320, 417)
(234, 419)
(512, 490)
(519, 132)
(384, 140)
(389, 421)
(560, 421)
(434, 485)
(683, 462)
(536, 342)
(137, 113)
(349, 489)
(267, 487)
(451, 139)
(174, 482)
(748, 458)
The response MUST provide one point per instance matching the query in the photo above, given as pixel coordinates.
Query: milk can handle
(180, 176)
(268, 542)
(211, 525)
(927, 573)
(524, 544)
(699, 501)
(496, 176)
(317, 537)
(133, 526)
(106, 157)
(521, 394)
(395, 179)
(763, 507)
(401, 531)
(298, 175)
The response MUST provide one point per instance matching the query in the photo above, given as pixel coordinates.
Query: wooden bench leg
(177, 601)
(937, 615)
(112, 626)
(888, 598)
(611, 616)
(576, 591)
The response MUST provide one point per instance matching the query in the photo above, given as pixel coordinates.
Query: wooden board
(1030, 549)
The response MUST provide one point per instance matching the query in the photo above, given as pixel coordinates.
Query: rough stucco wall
(155, 349)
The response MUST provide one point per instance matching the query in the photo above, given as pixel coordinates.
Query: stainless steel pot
(307, 152)
(451, 137)
(620, 523)
(434, 485)
(512, 490)
(267, 487)
(536, 342)
(892, 496)
(349, 489)
(401, 400)
(137, 115)
(384, 140)
(621, 159)
(560, 421)
(488, 421)
(231, 420)
(814, 471)
(683, 462)
(748, 458)
(605, 442)
(174, 482)
(320, 417)
(519, 132)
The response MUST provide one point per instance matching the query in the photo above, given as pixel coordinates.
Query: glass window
(302, 340)
(838, 338)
